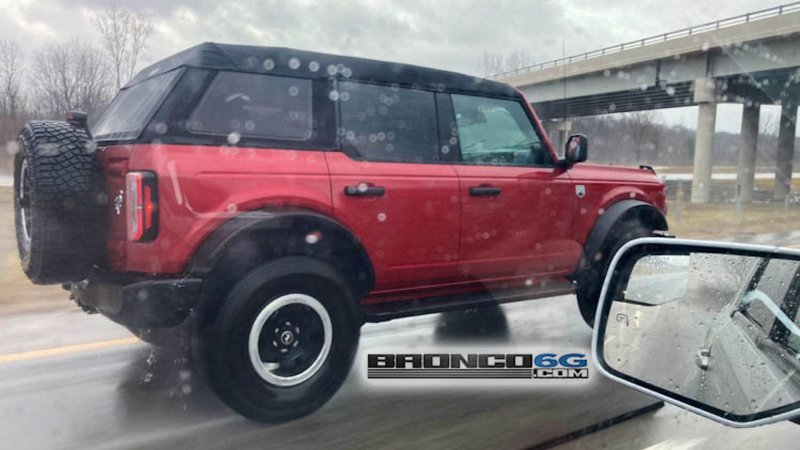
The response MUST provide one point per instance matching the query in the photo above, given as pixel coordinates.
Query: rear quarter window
(255, 105)
(128, 114)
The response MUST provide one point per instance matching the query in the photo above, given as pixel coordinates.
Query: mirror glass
(716, 330)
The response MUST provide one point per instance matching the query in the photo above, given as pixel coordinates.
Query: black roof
(300, 63)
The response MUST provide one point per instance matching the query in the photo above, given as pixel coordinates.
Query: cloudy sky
(446, 34)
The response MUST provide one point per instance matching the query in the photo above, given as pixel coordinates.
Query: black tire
(590, 278)
(57, 209)
(222, 346)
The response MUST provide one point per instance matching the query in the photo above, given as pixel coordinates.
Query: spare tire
(57, 206)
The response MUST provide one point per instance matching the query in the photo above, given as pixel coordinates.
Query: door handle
(484, 191)
(364, 190)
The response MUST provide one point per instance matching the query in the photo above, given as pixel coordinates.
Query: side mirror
(576, 149)
(711, 327)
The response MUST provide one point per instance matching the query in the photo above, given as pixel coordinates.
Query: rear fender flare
(253, 238)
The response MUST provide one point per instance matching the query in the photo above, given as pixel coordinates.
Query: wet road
(68, 380)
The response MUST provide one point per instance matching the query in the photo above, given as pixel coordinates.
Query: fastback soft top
(300, 63)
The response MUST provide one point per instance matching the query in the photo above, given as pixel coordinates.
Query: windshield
(130, 110)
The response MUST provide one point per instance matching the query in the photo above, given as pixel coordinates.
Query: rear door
(390, 186)
(516, 205)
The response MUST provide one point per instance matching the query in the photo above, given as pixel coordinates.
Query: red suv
(273, 200)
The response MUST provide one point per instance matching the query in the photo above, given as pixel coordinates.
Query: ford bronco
(272, 200)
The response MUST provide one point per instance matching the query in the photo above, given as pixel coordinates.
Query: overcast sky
(445, 34)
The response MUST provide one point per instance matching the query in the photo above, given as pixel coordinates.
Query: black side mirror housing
(576, 149)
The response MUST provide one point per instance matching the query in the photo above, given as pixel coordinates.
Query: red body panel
(201, 187)
(425, 236)
(525, 230)
(410, 233)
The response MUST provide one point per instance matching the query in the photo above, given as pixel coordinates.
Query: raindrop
(234, 137)
(313, 66)
(313, 237)
(268, 64)
(293, 91)
(333, 95)
(381, 217)
(294, 63)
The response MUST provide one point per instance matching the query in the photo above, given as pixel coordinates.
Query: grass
(715, 221)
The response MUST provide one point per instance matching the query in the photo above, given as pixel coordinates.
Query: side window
(381, 123)
(497, 132)
(255, 105)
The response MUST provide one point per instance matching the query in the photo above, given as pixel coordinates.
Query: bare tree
(491, 64)
(124, 35)
(69, 75)
(769, 125)
(11, 101)
(641, 127)
(494, 63)
(516, 60)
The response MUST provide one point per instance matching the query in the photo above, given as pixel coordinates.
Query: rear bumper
(145, 303)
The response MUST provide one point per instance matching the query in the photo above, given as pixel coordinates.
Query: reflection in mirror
(718, 329)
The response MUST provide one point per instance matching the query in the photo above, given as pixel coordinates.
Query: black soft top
(304, 64)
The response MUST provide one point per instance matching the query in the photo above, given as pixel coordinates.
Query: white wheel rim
(266, 370)
(23, 210)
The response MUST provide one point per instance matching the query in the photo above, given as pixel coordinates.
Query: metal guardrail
(710, 26)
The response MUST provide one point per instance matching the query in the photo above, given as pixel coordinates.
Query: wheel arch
(256, 237)
(617, 213)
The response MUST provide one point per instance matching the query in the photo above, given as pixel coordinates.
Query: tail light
(141, 212)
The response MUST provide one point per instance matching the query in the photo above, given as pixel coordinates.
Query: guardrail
(710, 26)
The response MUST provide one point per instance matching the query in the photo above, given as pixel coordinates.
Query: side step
(406, 308)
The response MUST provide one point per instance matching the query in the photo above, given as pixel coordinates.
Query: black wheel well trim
(215, 245)
(619, 211)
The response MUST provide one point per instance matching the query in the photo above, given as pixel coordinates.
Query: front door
(516, 205)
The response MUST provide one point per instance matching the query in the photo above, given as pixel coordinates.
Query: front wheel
(283, 341)
(590, 279)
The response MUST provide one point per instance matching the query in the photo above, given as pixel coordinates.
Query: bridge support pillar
(748, 144)
(785, 153)
(562, 129)
(705, 97)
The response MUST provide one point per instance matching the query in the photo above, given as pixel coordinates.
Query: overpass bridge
(752, 59)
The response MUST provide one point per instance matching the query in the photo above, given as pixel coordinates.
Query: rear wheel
(591, 277)
(283, 341)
